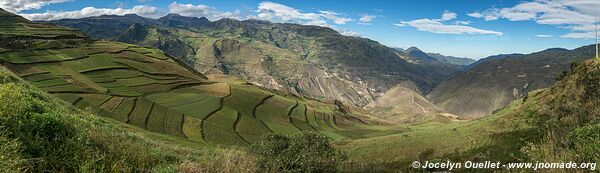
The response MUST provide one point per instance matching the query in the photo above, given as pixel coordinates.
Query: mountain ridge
(494, 82)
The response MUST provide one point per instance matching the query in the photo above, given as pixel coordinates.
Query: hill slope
(493, 84)
(305, 60)
(146, 88)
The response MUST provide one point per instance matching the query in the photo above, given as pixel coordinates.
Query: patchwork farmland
(146, 88)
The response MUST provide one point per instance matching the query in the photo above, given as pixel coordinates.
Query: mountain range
(416, 53)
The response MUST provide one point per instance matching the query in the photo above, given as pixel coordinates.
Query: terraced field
(146, 88)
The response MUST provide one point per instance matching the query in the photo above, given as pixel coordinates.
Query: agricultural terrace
(146, 88)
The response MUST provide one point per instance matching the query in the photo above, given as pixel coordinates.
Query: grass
(95, 99)
(173, 123)
(50, 82)
(193, 104)
(274, 113)
(140, 113)
(455, 141)
(245, 98)
(111, 105)
(298, 118)
(157, 118)
(218, 128)
(69, 98)
(191, 128)
(250, 129)
(121, 112)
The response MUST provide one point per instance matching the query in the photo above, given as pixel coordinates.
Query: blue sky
(464, 28)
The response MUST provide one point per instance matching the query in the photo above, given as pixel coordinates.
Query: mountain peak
(132, 15)
(172, 16)
(557, 49)
(410, 49)
(177, 20)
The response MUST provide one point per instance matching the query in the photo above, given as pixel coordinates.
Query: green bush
(303, 152)
(46, 139)
(585, 142)
(6, 78)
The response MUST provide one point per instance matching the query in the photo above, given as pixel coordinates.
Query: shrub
(5, 77)
(303, 152)
(585, 142)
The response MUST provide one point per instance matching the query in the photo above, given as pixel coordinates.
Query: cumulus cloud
(576, 15)
(142, 10)
(448, 15)
(21, 5)
(191, 10)
(436, 26)
(276, 12)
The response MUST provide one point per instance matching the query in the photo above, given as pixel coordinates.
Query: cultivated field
(145, 88)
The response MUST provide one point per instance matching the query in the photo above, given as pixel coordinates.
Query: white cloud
(436, 26)
(335, 17)
(580, 35)
(399, 24)
(142, 10)
(448, 15)
(347, 32)
(200, 10)
(544, 36)
(575, 15)
(461, 22)
(475, 14)
(589, 7)
(486, 15)
(276, 12)
(21, 5)
(366, 19)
